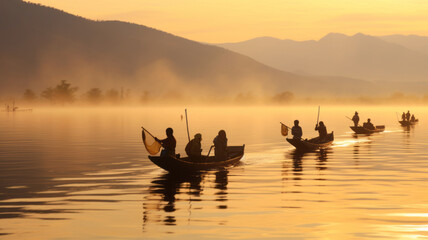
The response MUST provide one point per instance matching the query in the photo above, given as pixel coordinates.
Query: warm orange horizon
(239, 20)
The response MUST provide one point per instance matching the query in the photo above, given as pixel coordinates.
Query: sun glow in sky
(237, 20)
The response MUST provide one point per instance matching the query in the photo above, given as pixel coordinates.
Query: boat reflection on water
(221, 181)
(322, 159)
(408, 128)
(297, 157)
(171, 198)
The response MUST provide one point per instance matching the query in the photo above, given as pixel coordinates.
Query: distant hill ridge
(42, 45)
(388, 58)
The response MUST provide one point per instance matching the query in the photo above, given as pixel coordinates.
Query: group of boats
(177, 164)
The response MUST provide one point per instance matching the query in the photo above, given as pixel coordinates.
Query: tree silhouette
(112, 96)
(94, 95)
(62, 93)
(29, 95)
(48, 93)
(283, 97)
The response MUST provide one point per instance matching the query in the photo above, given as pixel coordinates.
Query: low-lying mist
(64, 94)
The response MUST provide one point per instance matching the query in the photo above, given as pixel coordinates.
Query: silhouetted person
(408, 115)
(322, 130)
(168, 144)
(369, 125)
(193, 148)
(413, 118)
(356, 119)
(296, 130)
(220, 144)
(403, 116)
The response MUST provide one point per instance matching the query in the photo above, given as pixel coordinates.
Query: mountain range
(41, 46)
(395, 58)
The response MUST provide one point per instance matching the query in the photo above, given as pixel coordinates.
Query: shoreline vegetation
(65, 94)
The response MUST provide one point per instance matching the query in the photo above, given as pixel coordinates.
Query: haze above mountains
(395, 58)
(41, 46)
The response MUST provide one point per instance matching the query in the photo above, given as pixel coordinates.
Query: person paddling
(356, 119)
(168, 144)
(322, 130)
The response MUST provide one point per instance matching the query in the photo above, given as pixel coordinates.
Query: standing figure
(322, 130)
(403, 116)
(408, 115)
(413, 119)
(220, 145)
(168, 144)
(296, 130)
(356, 119)
(193, 148)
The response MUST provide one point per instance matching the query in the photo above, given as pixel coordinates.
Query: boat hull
(311, 144)
(363, 130)
(408, 123)
(176, 165)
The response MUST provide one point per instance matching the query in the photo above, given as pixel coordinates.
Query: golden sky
(237, 20)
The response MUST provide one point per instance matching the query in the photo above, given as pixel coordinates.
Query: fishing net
(152, 146)
(284, 130)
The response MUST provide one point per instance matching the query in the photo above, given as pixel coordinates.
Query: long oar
(187, 125)
(396, 114)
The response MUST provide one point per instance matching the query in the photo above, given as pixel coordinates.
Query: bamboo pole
(187, 125)
(318, 118)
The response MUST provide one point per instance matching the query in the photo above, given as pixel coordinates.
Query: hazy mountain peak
(360, 35)
(333, 36)
(263, 39)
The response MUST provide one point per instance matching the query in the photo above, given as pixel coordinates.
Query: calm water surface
(84, 174)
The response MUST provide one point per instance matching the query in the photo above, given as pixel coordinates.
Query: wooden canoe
(186, 164)
(408, 123)
(363, 130)
(311, 144)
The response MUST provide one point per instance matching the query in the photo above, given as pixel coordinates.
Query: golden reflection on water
(84, 174)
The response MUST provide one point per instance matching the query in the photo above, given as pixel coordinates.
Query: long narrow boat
(186, 164)
(363, 130)
(312, 144)
(408, 123)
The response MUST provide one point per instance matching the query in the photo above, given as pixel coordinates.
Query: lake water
(84, 174)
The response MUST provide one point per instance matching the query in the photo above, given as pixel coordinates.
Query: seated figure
(369, 125)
